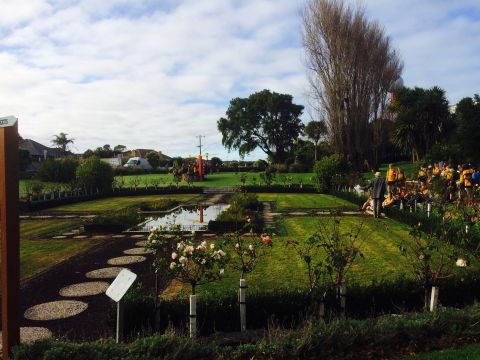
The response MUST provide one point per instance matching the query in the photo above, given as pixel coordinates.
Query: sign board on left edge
(7, 121)
(120, 285)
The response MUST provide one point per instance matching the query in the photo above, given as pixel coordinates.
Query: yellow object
(391, 175)
(467, 177)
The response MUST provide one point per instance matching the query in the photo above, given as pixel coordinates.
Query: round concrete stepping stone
(84, 289)
(105, 273)
(142, 243)
(118, 236)
(30, 334)
(208, 235)
(138, 251)
(55, 310)
(137, 236)
(80, 237)
(298, 213)
(125, 260)
(59, 237)
(98, 237)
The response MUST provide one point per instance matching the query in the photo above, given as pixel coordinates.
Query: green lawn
(471, 352)
(117, 203)
(307, 201)
(282, 268)
(38, 251)
(216, 179)
(47, 187)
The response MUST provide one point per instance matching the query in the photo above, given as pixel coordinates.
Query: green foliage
(260, 164)
(58, 170)
(153, 159)
(61, 141)
(25, 159)
(327, 168)
(267, 120)
(216, 162)
(422, 120)
(467, 135)
(159, 205)
(95, 174)
(124, 218)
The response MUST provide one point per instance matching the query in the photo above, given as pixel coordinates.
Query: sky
(158, 73)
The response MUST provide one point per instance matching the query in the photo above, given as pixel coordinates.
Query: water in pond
(189, 217)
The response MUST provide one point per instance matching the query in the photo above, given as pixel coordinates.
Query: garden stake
(401, 204)
(434, 298)
(193, 316)
(243, 307)
(119, 335)
(429, 209)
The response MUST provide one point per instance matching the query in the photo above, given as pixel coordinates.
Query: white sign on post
(120, 285)
(7, 121)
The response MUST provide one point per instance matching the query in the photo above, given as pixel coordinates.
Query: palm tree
(405, 135)
(61, 141)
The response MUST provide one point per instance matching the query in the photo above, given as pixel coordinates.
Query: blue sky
(154, 74)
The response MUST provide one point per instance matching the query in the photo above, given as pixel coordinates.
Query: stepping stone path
(118, 236)
(267, 215)
(137, 236)
(298, 213)
(30, 334)
(105, 273)
(80, 237)
(125, 260)
(55, 310)
(138, 251)
(142, 243)
(84, 289)
(59, 237)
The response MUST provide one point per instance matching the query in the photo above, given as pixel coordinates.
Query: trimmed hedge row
(288, 308)
(379, 338)
(45, 204)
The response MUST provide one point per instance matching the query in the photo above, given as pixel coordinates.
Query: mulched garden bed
(94, 323)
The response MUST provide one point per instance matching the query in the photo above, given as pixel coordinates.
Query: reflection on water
(190, 218)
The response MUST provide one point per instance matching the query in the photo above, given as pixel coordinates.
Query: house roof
(143, 153)
(37, 149)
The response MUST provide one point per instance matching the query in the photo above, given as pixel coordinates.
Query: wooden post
(193, 316)
(243, 306)
(120, 311)
(9, 177)
(434, 298)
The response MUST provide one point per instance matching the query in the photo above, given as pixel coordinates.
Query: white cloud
(129, 72)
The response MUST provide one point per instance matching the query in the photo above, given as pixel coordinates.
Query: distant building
(142, 153)
(38, 153)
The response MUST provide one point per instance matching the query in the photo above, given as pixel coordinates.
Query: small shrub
(328, 169)
(115, 221)
(58, 170)
(95, 174)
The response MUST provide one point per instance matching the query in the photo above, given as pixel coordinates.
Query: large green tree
(352, 66)
(467, 116)
(315, 130)
(266, 120)
(422, 120)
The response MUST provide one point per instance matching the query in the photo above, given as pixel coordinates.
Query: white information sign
(120, 285)
(7, 121)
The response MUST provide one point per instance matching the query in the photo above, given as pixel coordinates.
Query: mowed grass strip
(39, 255)
(38, 252)
(37, 229)
(470, 352)
(307, 201)
(216, 179)
(118, 203)
(283, 269)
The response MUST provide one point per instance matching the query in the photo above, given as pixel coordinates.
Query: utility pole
(200, 163)
(200, 143)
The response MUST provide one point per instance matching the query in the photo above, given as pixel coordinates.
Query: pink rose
(174, 255)
(266, 239)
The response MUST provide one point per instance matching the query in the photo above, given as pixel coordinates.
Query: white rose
(222, 271)
(250, 247)
(182, 260)
(172, 265)
(212, 246)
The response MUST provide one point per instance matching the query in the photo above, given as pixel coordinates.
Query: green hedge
(375, 338)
